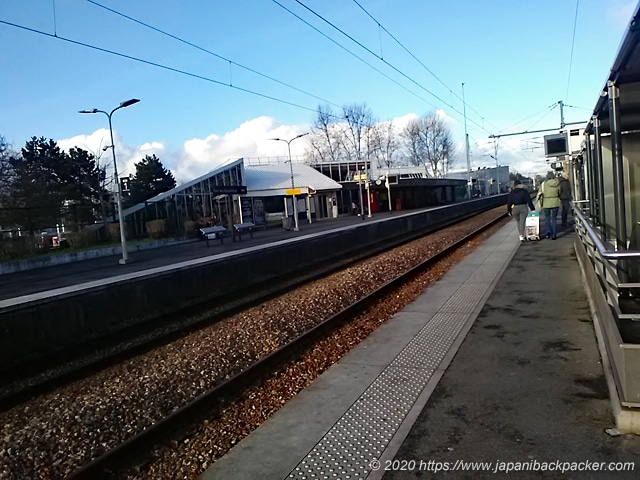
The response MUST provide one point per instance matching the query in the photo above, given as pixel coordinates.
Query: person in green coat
(549, 198)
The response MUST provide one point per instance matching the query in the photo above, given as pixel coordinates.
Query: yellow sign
(357, 177)
(292, 191)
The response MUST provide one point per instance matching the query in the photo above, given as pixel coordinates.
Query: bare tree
(382, 143)
(413, 142)
(428, 141)
(358, 119)
(324, 142)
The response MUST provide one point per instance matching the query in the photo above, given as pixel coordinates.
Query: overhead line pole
(466, 144)
(533, 131)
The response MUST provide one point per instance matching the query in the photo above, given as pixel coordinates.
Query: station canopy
(236, 178)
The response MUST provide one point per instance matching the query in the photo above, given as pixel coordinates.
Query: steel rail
(63, 367)
(210, 403)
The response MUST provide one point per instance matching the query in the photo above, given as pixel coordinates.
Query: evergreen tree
(47, 186)
(35, 192)
(150, 179)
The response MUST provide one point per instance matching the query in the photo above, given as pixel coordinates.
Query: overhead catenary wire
(55, 25)
(380, 26)
(351, 53)
(313, 12)
(209, 52)
(231, 62)
(545, 111)
(155, 64)
(573, 41)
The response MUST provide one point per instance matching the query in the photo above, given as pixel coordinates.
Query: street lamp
(293, 186)
(123, 238)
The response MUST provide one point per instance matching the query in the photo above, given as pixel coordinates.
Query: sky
(226, 76)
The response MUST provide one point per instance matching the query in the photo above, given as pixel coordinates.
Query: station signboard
(229, 189)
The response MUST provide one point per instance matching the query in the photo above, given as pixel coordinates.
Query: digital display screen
(556, 145)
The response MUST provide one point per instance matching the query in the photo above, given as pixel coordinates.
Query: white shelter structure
(236, 193)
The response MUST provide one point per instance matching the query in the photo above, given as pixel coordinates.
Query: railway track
(101, 420)
(29, 379)
(138, 447)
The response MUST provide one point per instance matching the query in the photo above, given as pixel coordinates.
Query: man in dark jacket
(518, 205)
(565, 196)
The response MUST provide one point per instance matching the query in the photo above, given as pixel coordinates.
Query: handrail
(604, 253)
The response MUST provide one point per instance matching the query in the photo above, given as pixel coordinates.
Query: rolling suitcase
(532, 226)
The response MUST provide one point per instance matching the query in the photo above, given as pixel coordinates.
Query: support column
(618, 167)
(587, 175)
(599, 179)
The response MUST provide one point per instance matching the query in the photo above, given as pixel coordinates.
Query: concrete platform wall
(39, 325)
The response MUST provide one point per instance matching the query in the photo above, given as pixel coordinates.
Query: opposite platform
(359, 409)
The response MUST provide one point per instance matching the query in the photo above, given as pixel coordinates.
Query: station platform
(29, 282)
(494, 369)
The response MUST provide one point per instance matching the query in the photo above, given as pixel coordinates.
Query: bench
(214, 233)
(244, 227)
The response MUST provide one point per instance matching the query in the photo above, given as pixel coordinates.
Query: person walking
(549, 199)
(565, 197)
(518, 205)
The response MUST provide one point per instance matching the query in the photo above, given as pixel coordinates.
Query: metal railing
(602, 268)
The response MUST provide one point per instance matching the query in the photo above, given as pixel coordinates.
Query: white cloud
(249, 140)
(98, 144)
(252, 139)
(198, 155)
(523, 155)
(92, 143)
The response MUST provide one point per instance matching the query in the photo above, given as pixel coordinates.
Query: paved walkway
(496, 362)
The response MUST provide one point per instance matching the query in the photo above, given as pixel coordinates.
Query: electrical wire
(573, 41)
(420, 62)
(543, 116)
(546, 110)
(148, 62)
(202, 49)
(370, 52)
(351, 53)
(55, 25)
(231, 62)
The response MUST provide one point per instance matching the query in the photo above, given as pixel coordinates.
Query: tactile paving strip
(365, 430)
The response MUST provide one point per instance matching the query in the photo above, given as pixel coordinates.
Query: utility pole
(466, 144)
(562, 124)
(495, 150)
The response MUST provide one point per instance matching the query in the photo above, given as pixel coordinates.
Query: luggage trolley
(532, 226)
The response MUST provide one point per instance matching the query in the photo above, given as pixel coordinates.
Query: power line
(369, 51)
(351, 53)
(148, 62)
(248, 68)
(418, 60)
(231, 62)
(573, 40)
(545, 111)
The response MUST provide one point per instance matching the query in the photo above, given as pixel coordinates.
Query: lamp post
(293, 185)
(123, 238)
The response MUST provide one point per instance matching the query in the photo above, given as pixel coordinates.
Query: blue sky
(514, 57)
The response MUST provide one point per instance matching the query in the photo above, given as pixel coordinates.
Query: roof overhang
(625, 74)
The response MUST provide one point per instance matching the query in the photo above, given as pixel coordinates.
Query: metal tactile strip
(365, 430)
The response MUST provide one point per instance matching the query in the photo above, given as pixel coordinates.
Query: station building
(262, 191)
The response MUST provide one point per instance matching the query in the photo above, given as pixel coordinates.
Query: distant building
(486, 180)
